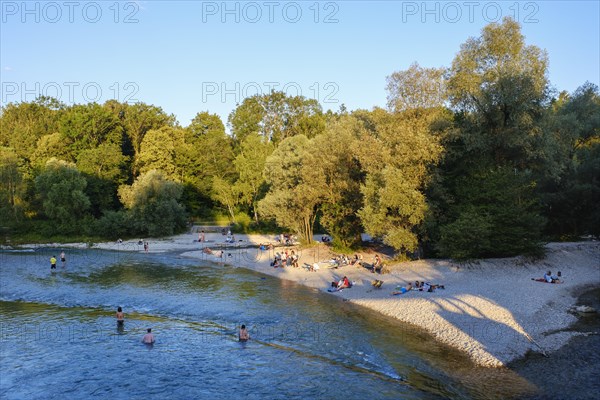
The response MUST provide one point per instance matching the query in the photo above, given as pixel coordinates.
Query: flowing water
(59, 339)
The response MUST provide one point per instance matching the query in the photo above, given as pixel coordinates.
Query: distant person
(377, 265)
(146, 247)
(53, 262)
(63, 258)
(244, 335)
(148, 337)
(201, 237)
(403, 290)
(120, 317)
(549, 278)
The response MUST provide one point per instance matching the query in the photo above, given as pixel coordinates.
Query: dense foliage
(482, 158)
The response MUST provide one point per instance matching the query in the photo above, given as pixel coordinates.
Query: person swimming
(148, 337)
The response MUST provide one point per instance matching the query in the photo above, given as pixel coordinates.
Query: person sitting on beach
(403, 290)
(345, 283)
(549, 278)
(148, 337)
(377, 265)
(314, 267)
(243, 334)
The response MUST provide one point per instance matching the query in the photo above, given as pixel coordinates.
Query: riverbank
(489, 309)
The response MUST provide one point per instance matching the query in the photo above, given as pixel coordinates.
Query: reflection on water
(59, 336)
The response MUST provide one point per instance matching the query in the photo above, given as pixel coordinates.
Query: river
(59, 339)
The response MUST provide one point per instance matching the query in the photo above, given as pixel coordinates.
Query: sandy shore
(490, 309)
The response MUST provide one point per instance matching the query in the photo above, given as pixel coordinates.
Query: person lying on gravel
(403, 290)
(549, 278)
(426, 286)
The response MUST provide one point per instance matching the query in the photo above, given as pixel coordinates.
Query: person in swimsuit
(148, 337)
(403, 290)
(53, 262)
(120, 317)
(243, 335)
(63, 257)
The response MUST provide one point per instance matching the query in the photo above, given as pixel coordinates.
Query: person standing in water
(120, 317)
(148, 337)
(63, 258)
(53, 262)
(244, 335)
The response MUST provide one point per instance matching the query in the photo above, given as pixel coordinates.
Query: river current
(59, 338)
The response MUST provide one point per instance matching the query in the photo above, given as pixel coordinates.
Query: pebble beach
(490, 309)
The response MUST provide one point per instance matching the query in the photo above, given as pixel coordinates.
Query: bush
(114, 225)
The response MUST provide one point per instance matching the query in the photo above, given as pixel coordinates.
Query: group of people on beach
(418, 286)
(343, 283)
(549, 278)
(148, 338)
(287, 259)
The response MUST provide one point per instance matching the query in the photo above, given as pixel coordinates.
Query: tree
(161, 149)
(276, 116)
(249, 164)
(61, 189)
(11, 186)
(397, 153)
(291, 199)
(332, 168)
(415, 88)
(153, 203)
(137, 119)
(569, 185)
(23, 124)
(206, 156)
(498, 87)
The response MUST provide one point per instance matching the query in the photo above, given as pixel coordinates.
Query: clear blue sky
(192, 56)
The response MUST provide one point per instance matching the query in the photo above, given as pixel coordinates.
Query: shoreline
(490, 309)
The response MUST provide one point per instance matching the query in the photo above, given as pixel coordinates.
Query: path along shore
(489, 309)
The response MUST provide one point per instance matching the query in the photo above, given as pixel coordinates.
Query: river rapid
(59, 337)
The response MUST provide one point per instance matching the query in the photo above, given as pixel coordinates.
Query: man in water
(148, 337)
(120, 317)
(53, 262)
(63, 258)
(244, 335)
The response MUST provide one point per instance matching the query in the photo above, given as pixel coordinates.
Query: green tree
(11, 186)
(415, 88)
(153, 203)
(276, 116)
(207, 155)
(291, 200)
(570, 187)
(498, 87)
(161, 150)
(333, 170)
(61, 189)
(398, 153)
(249, 165)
